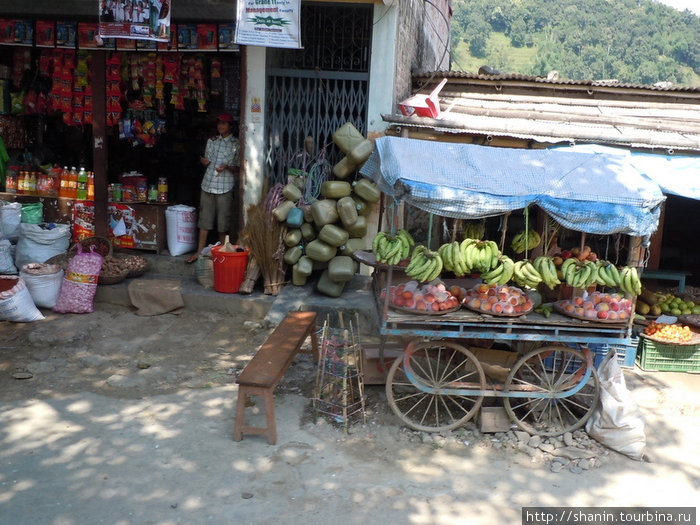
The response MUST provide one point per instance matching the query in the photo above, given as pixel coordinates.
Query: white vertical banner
(269, 23)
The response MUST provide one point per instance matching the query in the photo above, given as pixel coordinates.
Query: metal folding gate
(314, 90)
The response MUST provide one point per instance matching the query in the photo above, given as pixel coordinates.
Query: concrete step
(357, 298)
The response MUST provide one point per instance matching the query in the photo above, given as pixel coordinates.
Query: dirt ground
(113, 418)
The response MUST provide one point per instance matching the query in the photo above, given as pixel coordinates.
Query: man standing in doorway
(216, 200)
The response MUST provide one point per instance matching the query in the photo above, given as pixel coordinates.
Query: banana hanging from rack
(526, 275)
(547, 270)
(389, 249)
(474, 229)
(629, 280)
(501, 273)
(525, 240)
(425, 264)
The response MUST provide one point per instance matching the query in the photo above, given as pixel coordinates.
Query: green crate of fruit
(653, 355)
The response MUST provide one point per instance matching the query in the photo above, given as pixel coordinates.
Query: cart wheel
(540, 376)
(435, 364)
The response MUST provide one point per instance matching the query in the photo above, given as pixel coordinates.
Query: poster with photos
(226, 41)
(135, 19)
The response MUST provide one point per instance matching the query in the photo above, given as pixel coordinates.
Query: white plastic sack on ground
(7, 265)
(10, 217)
(43, 282)
(617, 423)
(16, 303)
(182, 229)
(37, 244)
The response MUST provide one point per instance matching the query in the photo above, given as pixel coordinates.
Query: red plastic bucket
(229, 269)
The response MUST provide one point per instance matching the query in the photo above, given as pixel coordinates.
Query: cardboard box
(371, 368)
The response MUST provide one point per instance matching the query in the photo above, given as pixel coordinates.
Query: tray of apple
(597, 306)
(433, 298)
(498, 300)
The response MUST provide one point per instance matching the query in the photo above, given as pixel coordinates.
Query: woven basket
(113, 278)
(102, 245)
(138, 265)
(61, 260)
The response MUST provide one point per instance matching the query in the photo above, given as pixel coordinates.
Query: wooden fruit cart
(439, 383)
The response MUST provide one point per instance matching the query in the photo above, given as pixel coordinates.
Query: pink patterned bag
(80, 283)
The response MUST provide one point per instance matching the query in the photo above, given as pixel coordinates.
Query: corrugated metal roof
(661, 86)
(553, 111)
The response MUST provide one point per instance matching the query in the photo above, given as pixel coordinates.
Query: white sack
(43, 287)
(11, 217)
(36, 245)
(617, 422)
(7, 265)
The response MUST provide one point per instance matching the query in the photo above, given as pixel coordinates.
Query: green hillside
(633, 41)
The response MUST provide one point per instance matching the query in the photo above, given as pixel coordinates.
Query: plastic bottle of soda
(31, 186)
(20, 182)
(63, 186)
(91, 186)
(73, 183)
(82, 181)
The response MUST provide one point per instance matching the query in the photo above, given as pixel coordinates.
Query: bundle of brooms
(264, 237)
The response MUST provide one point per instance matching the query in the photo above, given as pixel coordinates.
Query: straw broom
(265, 240)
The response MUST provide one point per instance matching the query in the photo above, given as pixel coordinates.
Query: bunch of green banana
(502, 273)
(525, 240)
(474, 230)
(544, 309)
(390, 250)
(425, 264)
(452, 259)
(479, 256)
(579, 274)
(608, 274)
(525, 274)
(548, 271)
(629, 280)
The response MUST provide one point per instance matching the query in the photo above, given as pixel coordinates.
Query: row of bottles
(72, 183)
(77, 184)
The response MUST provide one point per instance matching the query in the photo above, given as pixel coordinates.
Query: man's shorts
(217, 208)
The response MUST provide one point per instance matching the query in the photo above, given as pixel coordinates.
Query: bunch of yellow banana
(390, 250)
(474, 230)
(525, 240)
(526, 275)
(579, 274)
(608, 274)
(548, 271)
(425, 264)
(629, 280)
(452, 259)
(479, 256)
(502, 273)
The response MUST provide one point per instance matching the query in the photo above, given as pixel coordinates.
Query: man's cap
(225, 117)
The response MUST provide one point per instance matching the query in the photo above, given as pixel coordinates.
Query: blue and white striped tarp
(585, 192)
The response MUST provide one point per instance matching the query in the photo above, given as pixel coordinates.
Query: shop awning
(588, 192)
(675, 174)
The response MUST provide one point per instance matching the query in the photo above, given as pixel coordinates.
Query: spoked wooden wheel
(558, 391)
(436, 366)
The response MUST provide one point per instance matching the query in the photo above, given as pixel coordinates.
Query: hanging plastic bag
(617, 422)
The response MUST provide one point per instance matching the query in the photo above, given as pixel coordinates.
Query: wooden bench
(263, 373)
(667, 275)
